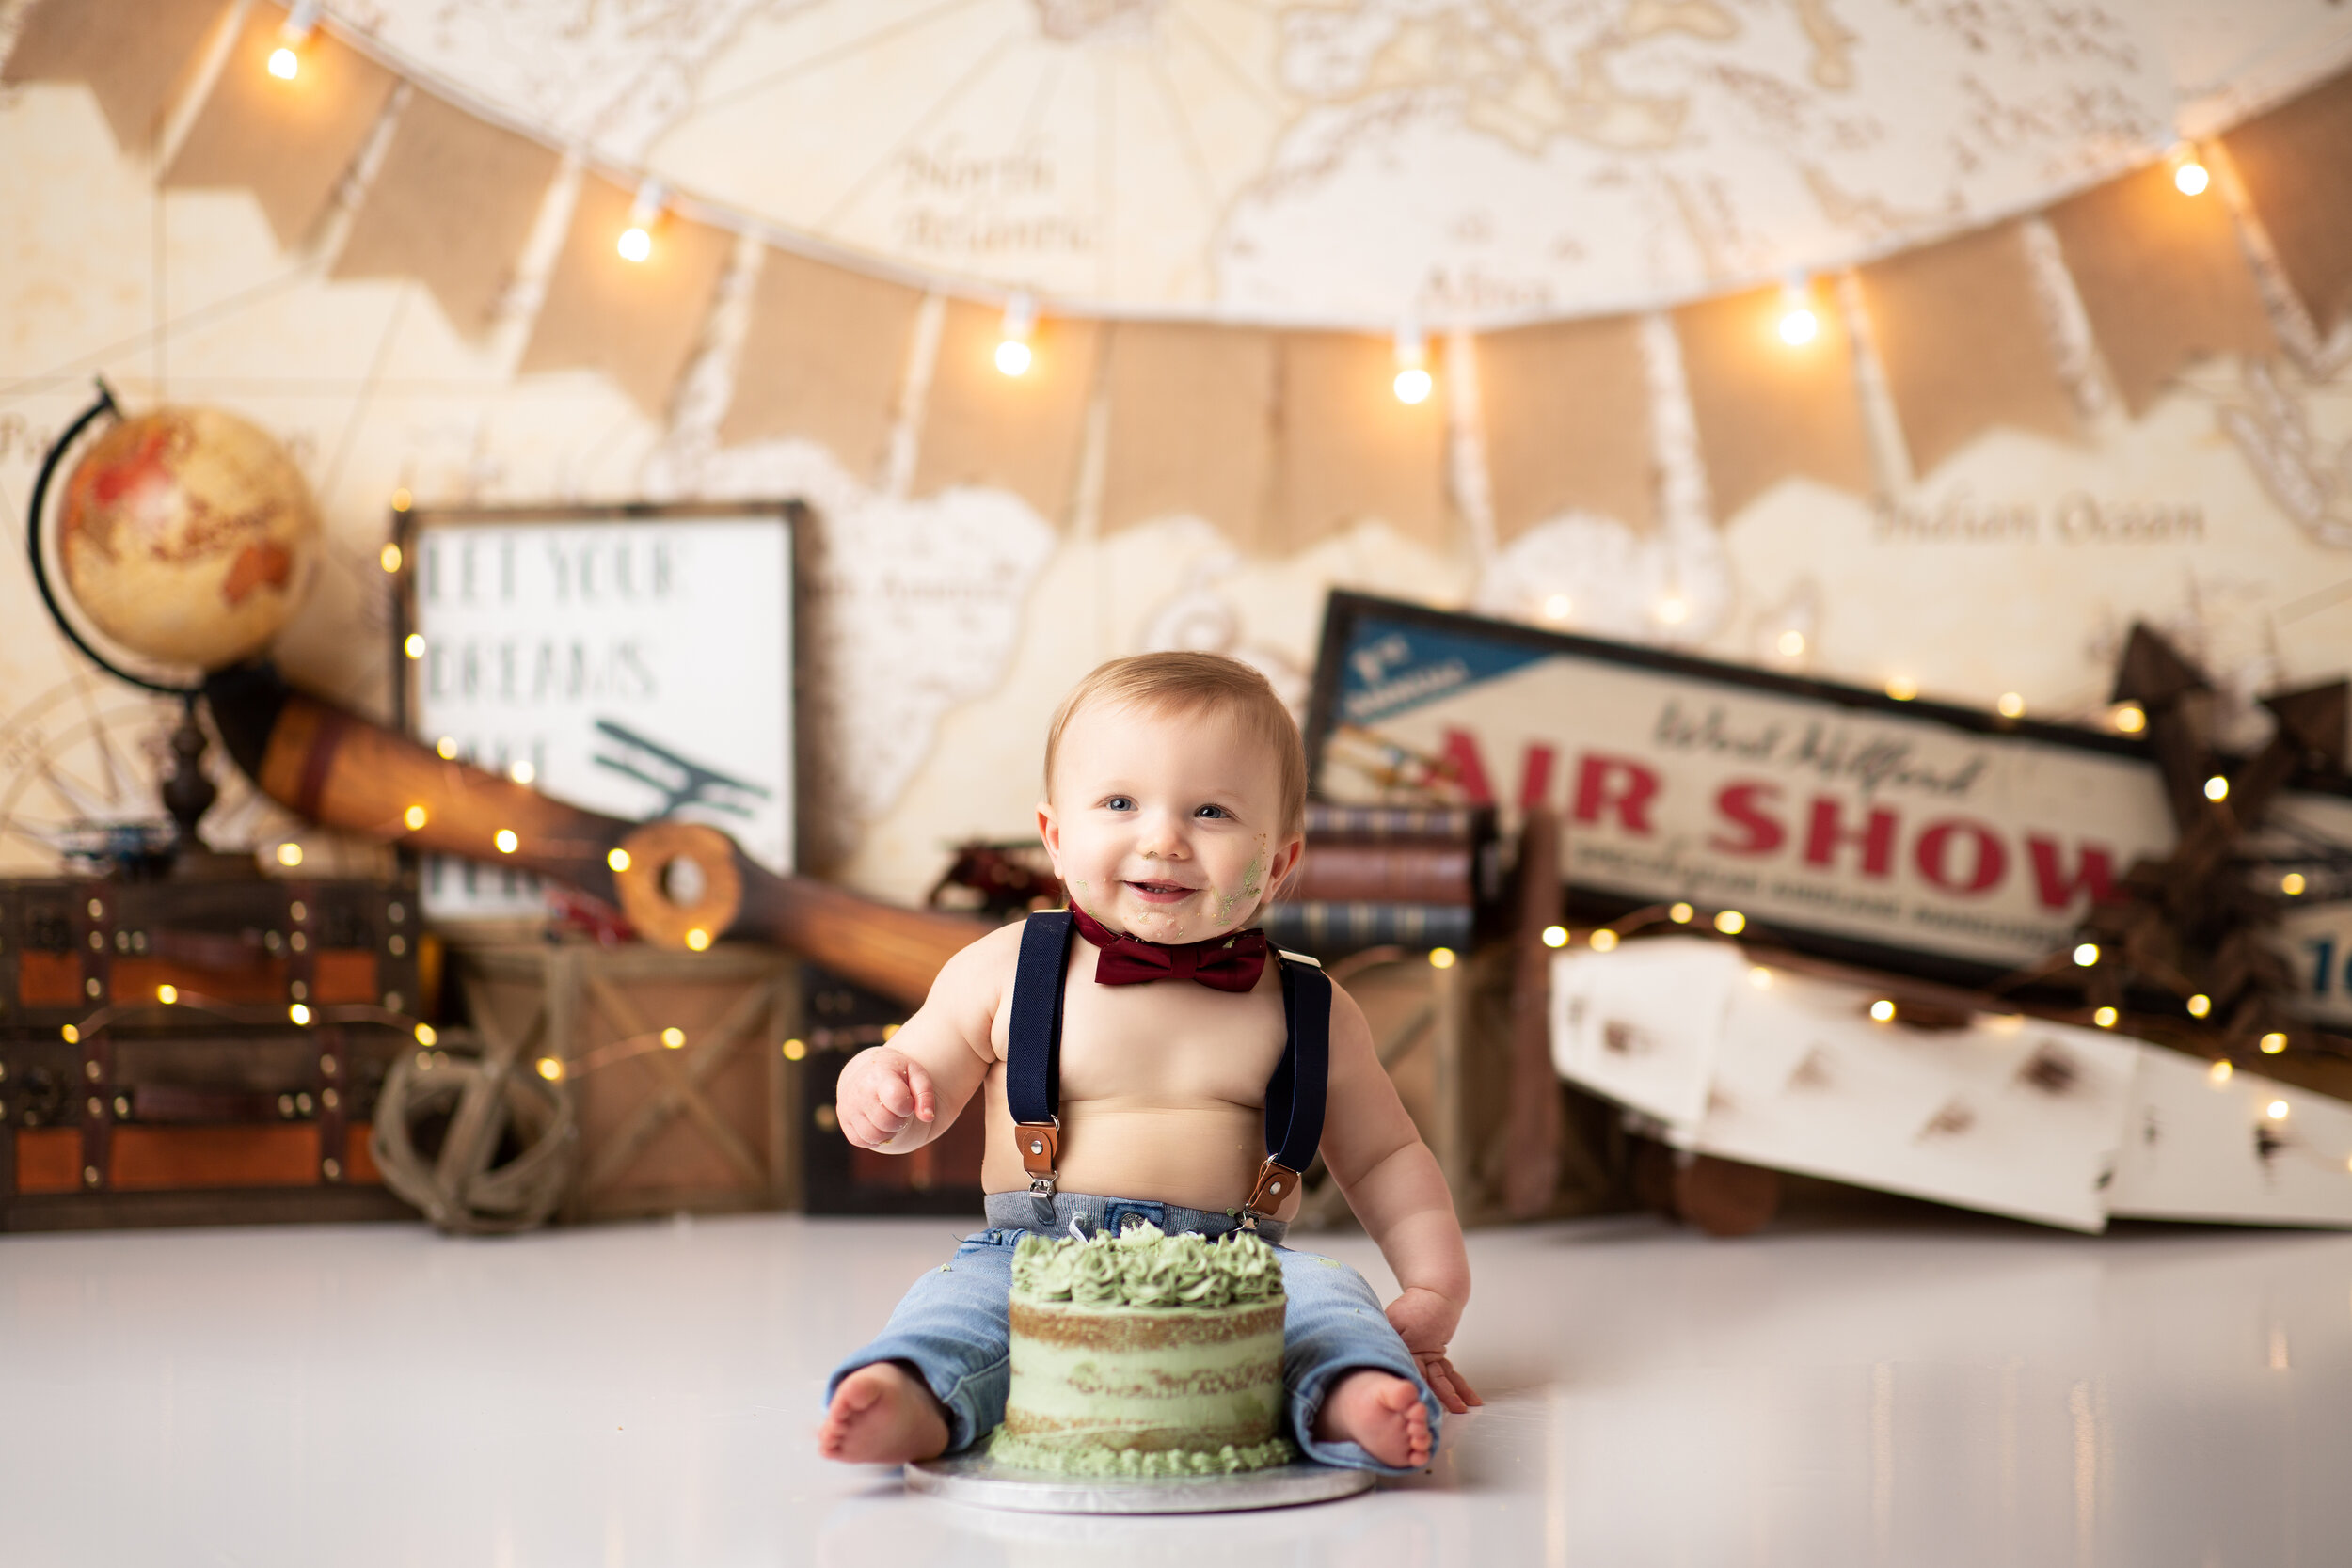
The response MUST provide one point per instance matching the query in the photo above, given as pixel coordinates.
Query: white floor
(1899, 1388)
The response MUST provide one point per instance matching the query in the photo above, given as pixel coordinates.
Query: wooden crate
(703, 1123)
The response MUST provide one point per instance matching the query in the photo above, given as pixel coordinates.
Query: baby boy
(1175, 790)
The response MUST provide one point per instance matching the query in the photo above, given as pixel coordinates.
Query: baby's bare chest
(1165, 1044)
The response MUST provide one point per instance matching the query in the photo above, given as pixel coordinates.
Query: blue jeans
(954, 1324)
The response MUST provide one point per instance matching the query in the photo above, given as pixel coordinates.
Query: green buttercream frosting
(1023, 1453)
(1148, 1268)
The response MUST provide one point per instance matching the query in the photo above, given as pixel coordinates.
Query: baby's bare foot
(883, 1415)
(1380, 1413)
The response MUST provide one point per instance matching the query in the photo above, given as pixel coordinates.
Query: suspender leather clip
(1276, 1183)
(1041, 1153)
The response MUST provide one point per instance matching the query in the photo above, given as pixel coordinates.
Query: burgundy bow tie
(1224, 963)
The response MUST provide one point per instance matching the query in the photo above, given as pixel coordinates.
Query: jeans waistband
(1094, 1216)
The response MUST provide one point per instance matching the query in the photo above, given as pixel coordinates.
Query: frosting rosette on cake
(1145, 1355)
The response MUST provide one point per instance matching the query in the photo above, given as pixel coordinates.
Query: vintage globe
(187, 535)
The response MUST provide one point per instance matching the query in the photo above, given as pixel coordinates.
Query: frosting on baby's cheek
(1252, 884)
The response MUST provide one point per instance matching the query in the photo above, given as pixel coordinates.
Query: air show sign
(1867, 825)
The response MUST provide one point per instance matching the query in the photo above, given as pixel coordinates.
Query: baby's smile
(1161, 892)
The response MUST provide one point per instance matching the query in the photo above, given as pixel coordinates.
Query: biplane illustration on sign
(1935, 838)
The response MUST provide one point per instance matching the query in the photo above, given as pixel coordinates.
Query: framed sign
(636, 660)
(1908, 836)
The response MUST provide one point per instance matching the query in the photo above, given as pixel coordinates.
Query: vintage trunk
(940, 1177)
(676, 1061)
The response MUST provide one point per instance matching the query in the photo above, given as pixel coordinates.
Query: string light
(636, 241)
(674, 1038)
(551, 1070)
(2216, 788)
(1791, 643)
(388, 558)
(2292, 885)
(2011, 705)
(1413, 383)
(2273, 1043)
(1555, 935)
(290, 854)
(72, 1034)
(1673, 610)
(2189, 175)
(446, 748)
(1013, 353)
(2276, 1110)
(617, 860)
(299, 1013)
(2086, 954)
(1799, 325)
(285, 61)
(1760, 977)
(506, 841)
(413, 646)
(401, 500)
(1557, 606)
(1902, 687)
(1680, 914)
(1883, 1011)
(414, 818)
(522, 772)
(2219, 1072)
(1441, 958)
(1731, 923)
(1604, 940)
(427, 1036)
(2130, 718)
(698, 939)
(167, 994)
(2104, 1018)
(795, 1050)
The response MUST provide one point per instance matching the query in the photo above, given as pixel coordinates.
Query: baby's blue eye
(1120, 803)
(1212, 810)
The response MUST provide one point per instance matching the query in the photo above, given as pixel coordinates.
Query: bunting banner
(1191, 428)
(1566, 429)
(134, 55)
(2150, 321)
(823, 358)
(1767, 410)
(2295, 164)
(1961, 336)
(1349, 449)
(1020, 433)
(287, 142)
(445, 173)
(638, 322)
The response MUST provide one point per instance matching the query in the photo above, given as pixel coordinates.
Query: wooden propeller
(681, 884)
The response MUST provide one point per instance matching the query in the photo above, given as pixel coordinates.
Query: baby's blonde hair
(1193, 683)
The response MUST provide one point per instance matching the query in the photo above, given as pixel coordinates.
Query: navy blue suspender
(1294, 1097)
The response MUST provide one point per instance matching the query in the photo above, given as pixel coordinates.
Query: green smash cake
(1145, 1355)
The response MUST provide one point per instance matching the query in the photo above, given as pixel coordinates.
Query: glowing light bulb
(1604, 940)
(414, 817)
(1791, 643)
(698, 939)
(2086, 954)
(290, 854)
(1731, 923)
(2219, 1072)
(1013, 358)
(1799, 326)
(427, 1036)
(1673, 610)
(2273, 1043)
(399, 499)
(1680, 914)
(2200, 1005)
(1902, 687)
(2131, 719)
(2104, 1018)
(674, 1038)
(2190, 178)
(284, 63)
(522, 772)
(1441, 958)
(1555, 935)
(1557, 606)
(388, 558)
(446, 748)
(795, 1050)
(1413, 385)
(2292, 885)
(506, 841)
(2011, 705)
(634, 245)
(2276, 1109)
(1760, 978)
(1882, 1011)
(644, 211)
(2216, 788)
(300, 1014)
(70, 1035)
(551, 1069)
(617, 860)
(167, 994)
(413, 644)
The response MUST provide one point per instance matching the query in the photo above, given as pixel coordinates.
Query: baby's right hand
(880, 1092)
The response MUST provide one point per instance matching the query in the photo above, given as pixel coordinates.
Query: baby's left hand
(1426, 1322)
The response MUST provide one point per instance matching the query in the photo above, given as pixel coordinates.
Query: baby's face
(1167, 827)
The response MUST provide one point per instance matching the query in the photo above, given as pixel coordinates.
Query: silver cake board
(976, 1478)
